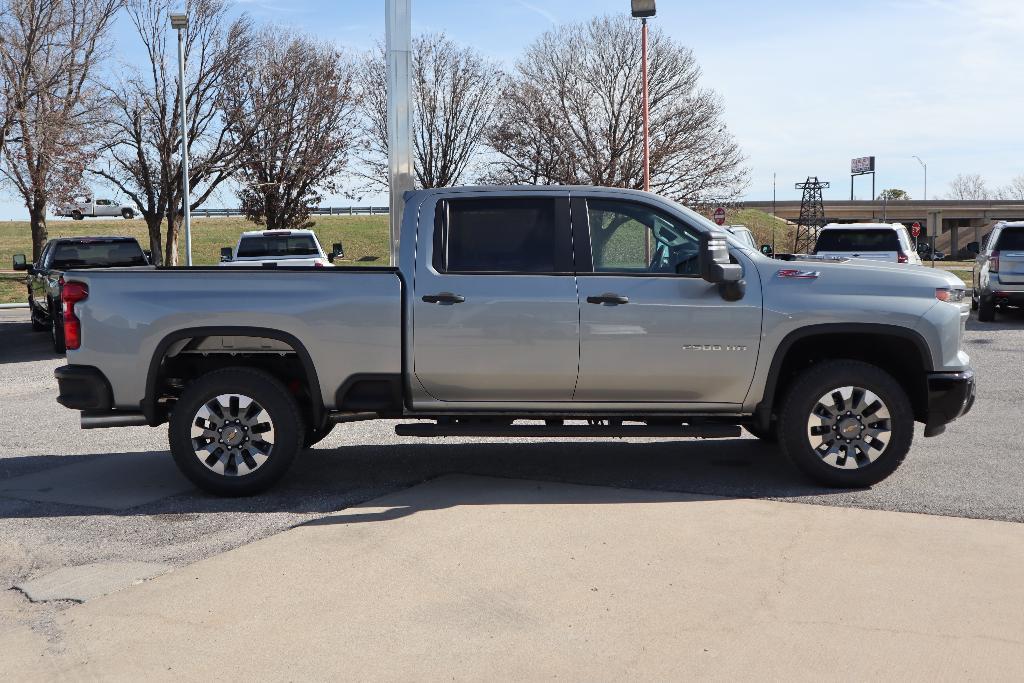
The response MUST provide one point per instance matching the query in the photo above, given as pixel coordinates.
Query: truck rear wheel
(128, 214)
(846, 423)
(986, 309)
(235, 432)
(57, 331)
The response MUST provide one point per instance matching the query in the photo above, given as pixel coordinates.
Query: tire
(769, 436)
(38, 325)
(314, 436)
(77, 215)
(974, 302)
(127, 214)
(811, 397)
(57, 332)
(986, 309)
(257, 463)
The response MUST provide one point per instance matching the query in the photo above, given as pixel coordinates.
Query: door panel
(488, 332)
(650, 329)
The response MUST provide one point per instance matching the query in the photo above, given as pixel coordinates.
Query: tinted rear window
(499, 235)
(278, 245)
(1011, 239)
(97, 254)
(881, 239)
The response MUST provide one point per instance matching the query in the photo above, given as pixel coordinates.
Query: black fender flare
(148, 403)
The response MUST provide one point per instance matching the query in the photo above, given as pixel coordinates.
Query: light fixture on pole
(179, 22)
(642, 10)
(925, 167)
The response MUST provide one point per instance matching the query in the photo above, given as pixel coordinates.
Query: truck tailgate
(348, 320)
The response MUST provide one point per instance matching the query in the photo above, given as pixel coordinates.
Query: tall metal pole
(647, 121)
(186, 199)
(925, 167)
(398, 17)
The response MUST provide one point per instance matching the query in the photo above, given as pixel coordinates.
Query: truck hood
(864, 276)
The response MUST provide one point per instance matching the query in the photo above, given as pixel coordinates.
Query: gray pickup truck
(537, 312)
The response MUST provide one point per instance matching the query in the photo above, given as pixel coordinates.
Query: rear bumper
(950, 395)
(83, 387)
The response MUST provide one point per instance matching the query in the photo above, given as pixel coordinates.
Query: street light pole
(647, 120)
(642, 9)
(925, 167)
(401, 171)
(179, 21)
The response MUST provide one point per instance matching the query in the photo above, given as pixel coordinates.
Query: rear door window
(1011, 239)
(868, 239)
(498, 235)
(277, 245)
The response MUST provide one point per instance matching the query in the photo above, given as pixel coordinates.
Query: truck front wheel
(846, 423)
(235, 432)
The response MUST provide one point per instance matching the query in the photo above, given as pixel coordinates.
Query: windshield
(867, 239)
(98, 254)
(1011, 239)
(277, 245)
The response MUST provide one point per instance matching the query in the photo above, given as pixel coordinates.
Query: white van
(874, 241)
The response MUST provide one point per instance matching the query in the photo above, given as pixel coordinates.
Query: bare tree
(143, 159)
(291, 110)
(1014, 191)
(968, 186)
(572, 114)
(455, 94)
(49, 50)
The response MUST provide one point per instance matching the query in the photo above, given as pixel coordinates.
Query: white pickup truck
(291, 248)
(82, 207)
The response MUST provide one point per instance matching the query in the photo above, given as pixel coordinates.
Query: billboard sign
(862, 165)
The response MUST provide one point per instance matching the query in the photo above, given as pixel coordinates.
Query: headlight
(953, 296)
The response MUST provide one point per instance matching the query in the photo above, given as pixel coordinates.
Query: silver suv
(998, 273)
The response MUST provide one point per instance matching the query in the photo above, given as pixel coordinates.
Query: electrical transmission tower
(812, 215)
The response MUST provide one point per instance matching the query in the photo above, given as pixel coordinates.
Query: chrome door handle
(608, 298)
(444, 298)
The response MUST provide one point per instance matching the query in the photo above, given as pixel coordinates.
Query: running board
(702, 431)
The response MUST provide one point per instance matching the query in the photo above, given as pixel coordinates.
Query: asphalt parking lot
(974, 470)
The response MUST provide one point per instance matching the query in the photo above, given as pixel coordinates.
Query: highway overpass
(962, 221)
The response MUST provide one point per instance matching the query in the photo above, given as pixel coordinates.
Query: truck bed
(349, 320)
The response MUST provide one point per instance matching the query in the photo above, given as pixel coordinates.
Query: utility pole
(642, 10)
(398, 17)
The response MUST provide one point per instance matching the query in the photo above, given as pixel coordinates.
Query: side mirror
(717, 268)
(973, 247)
(337, 251)
(20, 263)
(225, 254)
(767, 250)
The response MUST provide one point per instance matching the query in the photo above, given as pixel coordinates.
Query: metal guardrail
(319, 211)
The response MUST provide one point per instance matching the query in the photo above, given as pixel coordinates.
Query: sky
(806, 85)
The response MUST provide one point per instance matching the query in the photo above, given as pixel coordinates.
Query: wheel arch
(901, 351)
(149, 405)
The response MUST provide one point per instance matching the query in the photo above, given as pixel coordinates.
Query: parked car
(924, 251)
(279, 248)
(87, 206)
(873, 241)
(616, 308)
(45, 277)
(743, 234)
(998, 271)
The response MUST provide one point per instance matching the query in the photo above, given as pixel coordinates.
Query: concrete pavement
(482, 578)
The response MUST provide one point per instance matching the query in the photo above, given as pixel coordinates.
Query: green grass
(763, 225)
(364, 237)
(12, 288)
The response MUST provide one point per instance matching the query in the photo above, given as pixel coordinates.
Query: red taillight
(902, 258)
(71, 293)
(993, 262)
(318, 264)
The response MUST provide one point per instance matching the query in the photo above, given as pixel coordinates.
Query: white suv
(874, 241)
(278, 247)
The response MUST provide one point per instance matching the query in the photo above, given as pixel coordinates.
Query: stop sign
(720, 216)
(915, 229)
